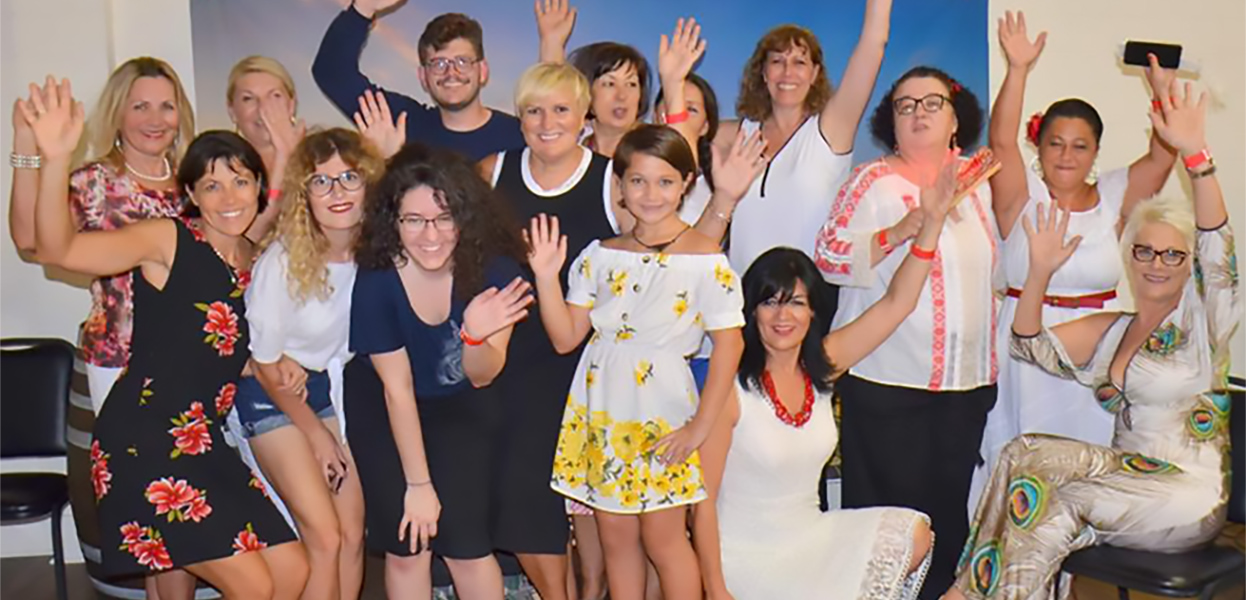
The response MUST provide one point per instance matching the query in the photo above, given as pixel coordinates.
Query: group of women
(431, 356)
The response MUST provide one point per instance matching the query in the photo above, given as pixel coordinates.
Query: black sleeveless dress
(531, 518)
(169, 492)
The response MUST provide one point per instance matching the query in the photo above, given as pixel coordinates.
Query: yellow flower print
(627, 439)
(660, 484)
(681, 303)
(618, 281)
(624, 333)
(663, 259)
(586, 269)
(593, 339)
(590, 375)
(725, 277)
(644, 372)
(698, 321)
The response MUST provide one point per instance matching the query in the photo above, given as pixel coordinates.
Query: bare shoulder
(617, 242)
(695, 242)
(486, 166)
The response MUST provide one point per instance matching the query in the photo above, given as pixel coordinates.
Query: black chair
(35, 395)
(1203, 572)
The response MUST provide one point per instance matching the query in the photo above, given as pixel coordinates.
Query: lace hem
(886, 574)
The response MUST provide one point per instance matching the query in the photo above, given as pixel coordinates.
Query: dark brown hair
(754, 99)
(658, 141)
(597, 59)
(448, 27)
(969, 114)
(486, 229)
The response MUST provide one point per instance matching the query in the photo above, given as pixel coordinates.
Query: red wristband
(467, 339)
(883, 243)
(1197, 159)
(274, 195)
(674, 118)
(921, 253)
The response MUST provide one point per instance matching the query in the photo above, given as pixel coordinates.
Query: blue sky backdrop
(950, 34)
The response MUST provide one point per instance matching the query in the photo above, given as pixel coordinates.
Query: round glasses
(417, 224)
(1171, 257)
(441, 65)
(320, 184)
(931, 103)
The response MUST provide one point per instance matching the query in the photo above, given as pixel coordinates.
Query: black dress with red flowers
(170, 493)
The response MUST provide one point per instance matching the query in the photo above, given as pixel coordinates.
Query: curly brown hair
(305, 243)
(485, 225)
(753, 102)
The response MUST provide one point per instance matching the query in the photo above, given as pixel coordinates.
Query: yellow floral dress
(633, 385)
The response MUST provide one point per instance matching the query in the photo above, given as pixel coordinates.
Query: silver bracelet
(25, 161)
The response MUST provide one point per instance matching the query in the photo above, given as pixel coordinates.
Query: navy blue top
(381, 321)
(336, 71)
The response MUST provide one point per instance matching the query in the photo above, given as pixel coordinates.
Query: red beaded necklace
(780, 411)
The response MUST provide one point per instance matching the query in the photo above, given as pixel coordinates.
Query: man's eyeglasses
(441, 65)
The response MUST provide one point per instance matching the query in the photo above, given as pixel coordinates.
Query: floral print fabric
(103, 199)
(633, 386)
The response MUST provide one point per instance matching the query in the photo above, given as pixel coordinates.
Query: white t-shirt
(789, 202)
(948, 342)
(314, 333)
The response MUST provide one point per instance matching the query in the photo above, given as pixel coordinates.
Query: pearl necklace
(168, 171)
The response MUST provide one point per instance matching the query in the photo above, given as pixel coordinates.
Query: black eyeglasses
(1171, 257)
(441, 65)
(417, 224)
(320, 184)
(931, 103)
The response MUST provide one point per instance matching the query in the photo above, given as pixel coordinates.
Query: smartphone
(1169, 55)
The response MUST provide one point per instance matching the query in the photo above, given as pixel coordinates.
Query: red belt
(1087, 301)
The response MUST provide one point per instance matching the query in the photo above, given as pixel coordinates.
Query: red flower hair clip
(1031, 128)
(956, 88)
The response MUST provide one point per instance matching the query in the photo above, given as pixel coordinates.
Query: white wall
(91, 37)
(94, 35)
(1080, 60)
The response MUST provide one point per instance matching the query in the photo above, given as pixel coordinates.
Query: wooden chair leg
(58, 554)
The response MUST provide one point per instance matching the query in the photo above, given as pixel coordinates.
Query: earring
(1093, 176)
(117, 142)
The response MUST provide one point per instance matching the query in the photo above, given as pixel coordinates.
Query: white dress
(633, 385)
(776, 542)
(789, 202)
(1031, 400)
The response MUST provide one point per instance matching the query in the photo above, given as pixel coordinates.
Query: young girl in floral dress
(633, 421)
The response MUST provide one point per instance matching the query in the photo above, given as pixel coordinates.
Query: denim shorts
(259, 414)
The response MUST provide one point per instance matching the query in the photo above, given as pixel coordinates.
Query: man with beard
(452, 70)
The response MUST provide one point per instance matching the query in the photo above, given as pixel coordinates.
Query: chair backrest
(34, 396)
(1237, 450)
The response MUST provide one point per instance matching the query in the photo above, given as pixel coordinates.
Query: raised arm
(849, 344)
(555, 20)
(1148, 174)
(57, 122)
(336, 67)
(25, 189)
(487, 325)
(1181, 123)
(566, 324)
(734, 171)
(843, 113)
(1009, 190)
(677, 54)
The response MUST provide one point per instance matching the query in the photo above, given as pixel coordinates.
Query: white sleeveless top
(791, 199)
(1096, 265)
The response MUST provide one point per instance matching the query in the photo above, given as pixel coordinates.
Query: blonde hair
(104, 126)
(307, 272)
(1170, 210)
(260, 64)
(541, 79)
